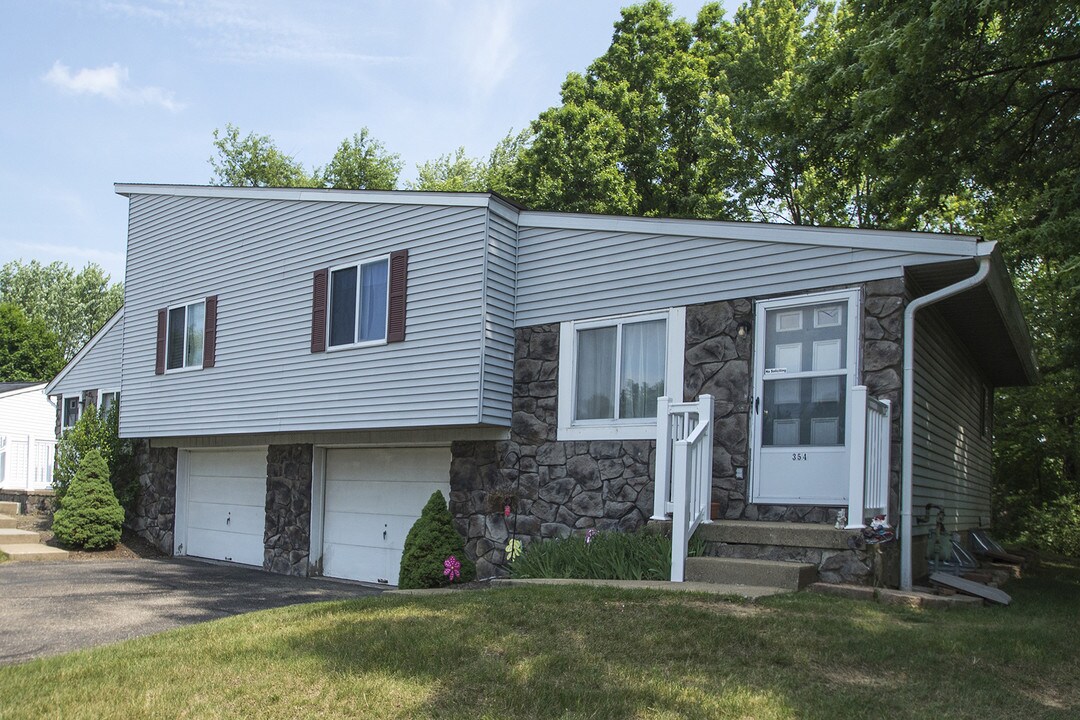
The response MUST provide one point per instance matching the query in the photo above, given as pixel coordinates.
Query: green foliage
(28, 351)
(94, 433)
(89, 515)
(460, 173)
(1053, 526)
(431, 540)
(255, 161)
(362, 163)
(606, 555)
(72, 305)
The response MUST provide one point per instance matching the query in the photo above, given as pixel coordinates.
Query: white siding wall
(258, 256)
(499, 326)
(572, 274)
(27, 424)
(99, 368)
(952, 457)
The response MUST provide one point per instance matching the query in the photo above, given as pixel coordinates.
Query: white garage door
(373, 497)
(226, 505)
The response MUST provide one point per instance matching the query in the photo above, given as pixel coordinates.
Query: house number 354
(799, 456)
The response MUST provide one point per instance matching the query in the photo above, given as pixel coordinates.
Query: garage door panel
(396, 498)
(372, 490)
(227, 518)
(250, 491)
(228, 463)
(218, 545)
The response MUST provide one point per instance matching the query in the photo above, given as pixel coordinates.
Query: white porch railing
(683, 472)
(26, 462)
(868, 493)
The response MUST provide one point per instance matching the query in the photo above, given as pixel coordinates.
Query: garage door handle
(228, 520)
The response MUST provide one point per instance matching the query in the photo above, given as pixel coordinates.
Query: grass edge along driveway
(578, 652)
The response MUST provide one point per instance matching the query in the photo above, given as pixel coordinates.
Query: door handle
(757, 405)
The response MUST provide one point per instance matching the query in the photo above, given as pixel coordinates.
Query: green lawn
(574, 652)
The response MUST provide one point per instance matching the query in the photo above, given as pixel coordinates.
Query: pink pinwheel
(452, 568)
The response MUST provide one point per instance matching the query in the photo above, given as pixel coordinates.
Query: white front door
(372, 498)
(221, 503)
(804, 369)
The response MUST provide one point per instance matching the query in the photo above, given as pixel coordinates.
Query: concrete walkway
(52, 608)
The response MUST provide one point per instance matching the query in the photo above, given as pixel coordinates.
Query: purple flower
(452, 568)
(506, 510)
(593, 532)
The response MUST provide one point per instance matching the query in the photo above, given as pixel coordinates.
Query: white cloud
(487, 44)
(111, 82)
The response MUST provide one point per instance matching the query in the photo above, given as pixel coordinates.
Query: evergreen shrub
(429, 543)
(89, 516)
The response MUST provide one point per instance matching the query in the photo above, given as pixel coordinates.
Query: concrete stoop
(22, 545)
(740, 571)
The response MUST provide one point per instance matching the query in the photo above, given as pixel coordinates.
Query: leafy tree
(362, 163)
(101, 434)
(89, 515)
(431, 540)
(72, 305)
(28, 351)
(255, 161)
(458, 172)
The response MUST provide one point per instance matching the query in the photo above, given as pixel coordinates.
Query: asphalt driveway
(51, 608)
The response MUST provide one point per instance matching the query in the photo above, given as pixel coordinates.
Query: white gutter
(907, 474)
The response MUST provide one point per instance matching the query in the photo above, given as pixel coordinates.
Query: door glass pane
(174, 352)
(643, 350)
(373, 301)
(343, 306)
(803, 411)
(595, 374)
(196, 313)
(805, 339)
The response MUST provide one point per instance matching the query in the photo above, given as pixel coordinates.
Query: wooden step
(9, 508)
(7, 521)
(777, 534)
(737, 571)
(11, 536)
(22, 552)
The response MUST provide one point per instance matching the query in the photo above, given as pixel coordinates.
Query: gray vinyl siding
(99, 368)
(258, 257)
(573, 274)
(499, 328)
(952, 455)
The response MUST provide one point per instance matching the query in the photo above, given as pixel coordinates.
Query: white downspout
(908, 440)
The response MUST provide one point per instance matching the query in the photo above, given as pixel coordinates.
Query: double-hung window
(358, 302)
(71, 410)
(184, 343)
(613, 370)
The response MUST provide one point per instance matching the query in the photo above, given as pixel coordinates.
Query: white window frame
(630, 429)
(168, 315)
(102, 393)
(63, 411)
(359, 289)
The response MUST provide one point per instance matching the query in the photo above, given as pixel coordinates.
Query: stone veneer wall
(556, 488)
(155, 506)
(287, 536)
(553, 488)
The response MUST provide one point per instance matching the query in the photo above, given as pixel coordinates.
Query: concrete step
(24, 552)
(7, 521)
(737, 571)
(9, 508)
(776, 534)
(11, 536)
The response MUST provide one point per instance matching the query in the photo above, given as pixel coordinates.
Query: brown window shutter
(210, 332)
(162, 320)
(399, 272)
(318, 311)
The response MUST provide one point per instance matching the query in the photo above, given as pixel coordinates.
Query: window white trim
(64, 425)
(643, 429)
(184, 367)
(101, 393)
(359, 290)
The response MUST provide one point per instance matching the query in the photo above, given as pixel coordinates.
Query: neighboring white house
(27, 436)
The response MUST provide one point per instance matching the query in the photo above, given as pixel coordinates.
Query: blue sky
(105, 91)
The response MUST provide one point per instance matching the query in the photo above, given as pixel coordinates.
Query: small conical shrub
(429, 543)
(90, 516)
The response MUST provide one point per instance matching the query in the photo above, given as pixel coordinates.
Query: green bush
(429, 543)
(598, 555)
(101, 433)
(1054, 526)
(90, 515)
